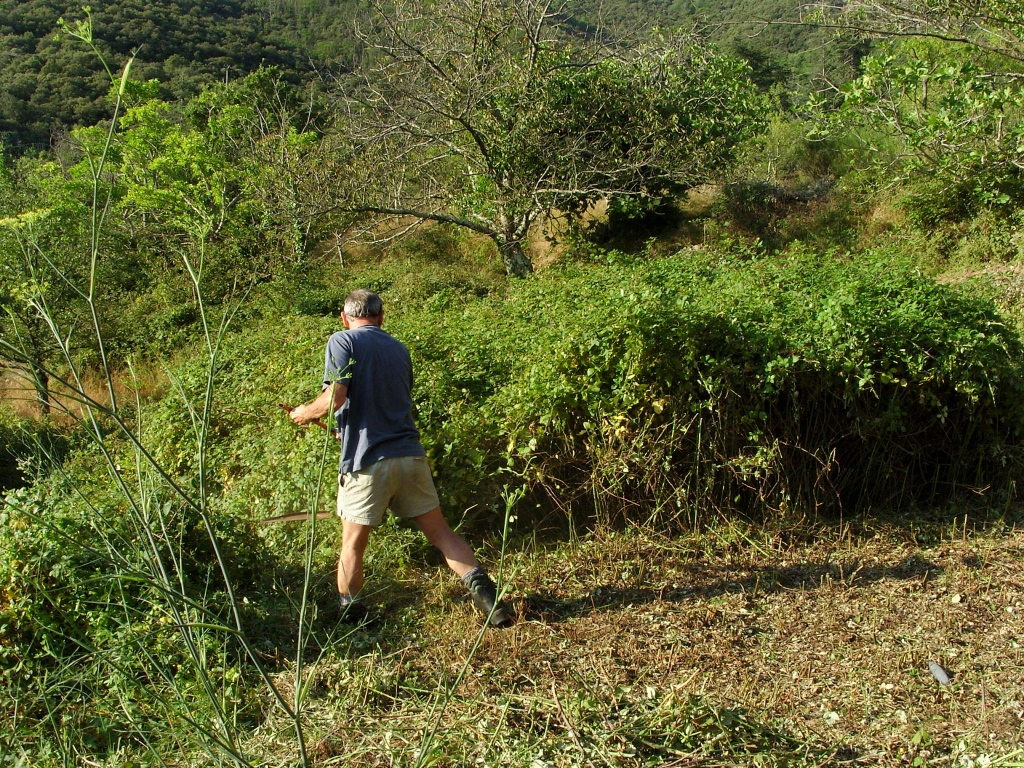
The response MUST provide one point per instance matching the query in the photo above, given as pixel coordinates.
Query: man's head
(363, 307)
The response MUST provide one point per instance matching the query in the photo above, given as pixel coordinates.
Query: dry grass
(883, 217)
(700, 200)
(830, 639)
(1004, 281)
(18, 391)
(732, 647)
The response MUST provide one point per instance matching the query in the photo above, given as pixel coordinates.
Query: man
(368, 375)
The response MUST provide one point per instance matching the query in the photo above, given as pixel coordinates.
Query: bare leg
(457, 553)
(354, 538)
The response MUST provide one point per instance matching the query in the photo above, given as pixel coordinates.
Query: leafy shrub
(95, 592)
(318, 303)
(683, 383)
(702, 380)
(953, 110)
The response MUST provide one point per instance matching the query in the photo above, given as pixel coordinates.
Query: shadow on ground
(715, 581)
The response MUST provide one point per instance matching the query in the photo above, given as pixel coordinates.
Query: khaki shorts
(403, 485)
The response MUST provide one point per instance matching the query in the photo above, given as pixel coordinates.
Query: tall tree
(948, 85)
(994, 26)
(491, 115)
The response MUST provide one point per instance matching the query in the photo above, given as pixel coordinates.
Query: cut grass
(735, 646)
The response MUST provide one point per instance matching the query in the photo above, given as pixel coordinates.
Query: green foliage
(930, 203)
(75, 578)
(821, 215)
(44, 234)
(131, 580)
(49, 84)
(767, 34)
(990, 28)
(629, 222)
(547, 122)
(708, 381)
(240, 185)
(757, 207)
(957, 120)
(689, 108)
(681, 384)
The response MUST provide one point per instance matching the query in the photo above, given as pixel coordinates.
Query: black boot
(350, 611)
(485, 597)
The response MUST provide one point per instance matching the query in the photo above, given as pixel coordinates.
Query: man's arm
(320, 408)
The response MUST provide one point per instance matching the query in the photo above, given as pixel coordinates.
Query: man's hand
(297, 416)
(302, 416)
(318, 409)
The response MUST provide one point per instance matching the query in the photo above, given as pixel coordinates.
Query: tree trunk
(517, 263)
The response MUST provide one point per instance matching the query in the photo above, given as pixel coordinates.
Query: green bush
(677, 384)
(704, 380)
(92, 599)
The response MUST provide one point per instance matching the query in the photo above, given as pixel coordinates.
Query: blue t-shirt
(376, 420)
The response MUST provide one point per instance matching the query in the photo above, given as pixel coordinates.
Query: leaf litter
(816, 645)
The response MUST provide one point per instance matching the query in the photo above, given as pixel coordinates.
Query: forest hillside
(49, 85)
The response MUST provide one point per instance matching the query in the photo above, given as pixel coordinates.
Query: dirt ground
(822, 635)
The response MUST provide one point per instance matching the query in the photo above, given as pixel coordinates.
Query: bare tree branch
(492, 115)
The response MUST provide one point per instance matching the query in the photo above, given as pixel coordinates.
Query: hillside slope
(49, 84)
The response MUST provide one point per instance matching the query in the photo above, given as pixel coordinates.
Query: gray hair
(363, 303)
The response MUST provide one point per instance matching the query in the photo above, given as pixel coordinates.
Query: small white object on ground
(939, 673)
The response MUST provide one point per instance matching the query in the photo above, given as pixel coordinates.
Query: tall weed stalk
(160, 628)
